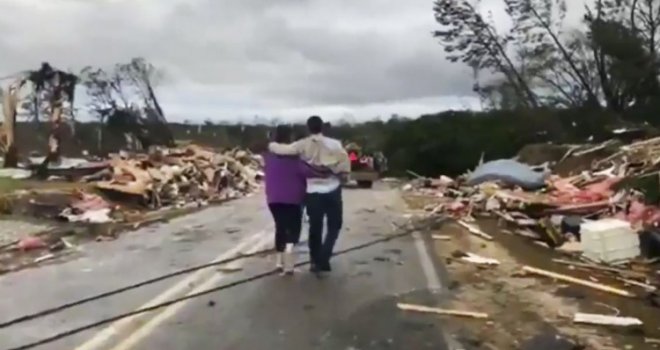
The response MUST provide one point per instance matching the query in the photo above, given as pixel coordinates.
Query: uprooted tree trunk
(8, 138)
(63, 85)
(54, 140)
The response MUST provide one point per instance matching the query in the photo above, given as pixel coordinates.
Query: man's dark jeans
(322, 206)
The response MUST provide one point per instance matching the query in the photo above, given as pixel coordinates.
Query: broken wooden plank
(622, 272)
(479, 260)
(441, 237)
(475, 230)
(605, 320)
(581, 282)
(646, 286)
(435, 310)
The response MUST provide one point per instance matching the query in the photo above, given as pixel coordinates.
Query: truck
(365, 168)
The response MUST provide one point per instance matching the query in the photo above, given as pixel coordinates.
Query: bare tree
(469, 39)
(144, 76)
(644, 21)
(539, 24)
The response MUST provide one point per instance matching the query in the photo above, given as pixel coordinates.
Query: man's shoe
(314, 268)
(325, 267)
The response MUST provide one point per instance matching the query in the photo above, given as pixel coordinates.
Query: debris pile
(175, 176)
(89, 208)
(607, 214)
(162, 177)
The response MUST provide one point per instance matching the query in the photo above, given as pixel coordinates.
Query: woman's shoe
(289, 260)
(279, 261)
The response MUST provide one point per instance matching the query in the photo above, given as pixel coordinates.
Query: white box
(609, 240)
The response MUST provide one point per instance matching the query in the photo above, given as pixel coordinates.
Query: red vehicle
(363, 169)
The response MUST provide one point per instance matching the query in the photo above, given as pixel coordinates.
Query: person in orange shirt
(353, 156)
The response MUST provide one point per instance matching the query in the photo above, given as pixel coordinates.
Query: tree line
(540, 79)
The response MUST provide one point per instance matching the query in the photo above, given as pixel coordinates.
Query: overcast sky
(229, 59)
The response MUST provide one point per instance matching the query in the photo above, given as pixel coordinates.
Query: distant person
(285, 178)
(324, 195)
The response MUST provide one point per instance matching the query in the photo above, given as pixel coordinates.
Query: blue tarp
(508, 171)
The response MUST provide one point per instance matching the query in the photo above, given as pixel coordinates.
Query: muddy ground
(62, 240)
(524, 307)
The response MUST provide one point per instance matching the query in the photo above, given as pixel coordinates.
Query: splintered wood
(605, 320)
(574, 280)
(479, 260)
(441, 237)
(475, 230)
(438, 311)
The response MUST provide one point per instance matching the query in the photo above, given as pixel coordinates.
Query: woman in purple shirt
(286, 185)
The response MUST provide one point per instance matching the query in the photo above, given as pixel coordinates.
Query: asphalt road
(352, 308)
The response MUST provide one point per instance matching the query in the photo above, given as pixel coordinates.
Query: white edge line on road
(138, 335)
(432, 279)
(119, 326)
(432, 282)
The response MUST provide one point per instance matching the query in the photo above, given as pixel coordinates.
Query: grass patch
(8, 185)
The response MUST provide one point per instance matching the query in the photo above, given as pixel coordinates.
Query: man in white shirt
(324, 197)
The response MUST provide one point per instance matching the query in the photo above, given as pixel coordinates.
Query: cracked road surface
(352, 308)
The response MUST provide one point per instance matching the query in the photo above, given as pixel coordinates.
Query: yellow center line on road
(182, 286)
(138, 335)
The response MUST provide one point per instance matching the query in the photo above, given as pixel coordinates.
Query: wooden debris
(475, 230)
(586, 266)
(44, 258)
(599, 268)
(441, 237)
(648, 287)
(570, 247)
(528, 234)
(652, 341)
(479, 260)
(605, 320)
(574, 280)
(434, 310)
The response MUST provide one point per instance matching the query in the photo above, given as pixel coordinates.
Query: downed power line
(246, 280)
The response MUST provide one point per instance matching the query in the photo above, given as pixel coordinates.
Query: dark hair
(315, 124)
(282, 134)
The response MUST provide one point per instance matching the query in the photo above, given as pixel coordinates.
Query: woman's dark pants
(288, 223)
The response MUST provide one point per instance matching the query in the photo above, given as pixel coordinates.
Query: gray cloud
(275, 55)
